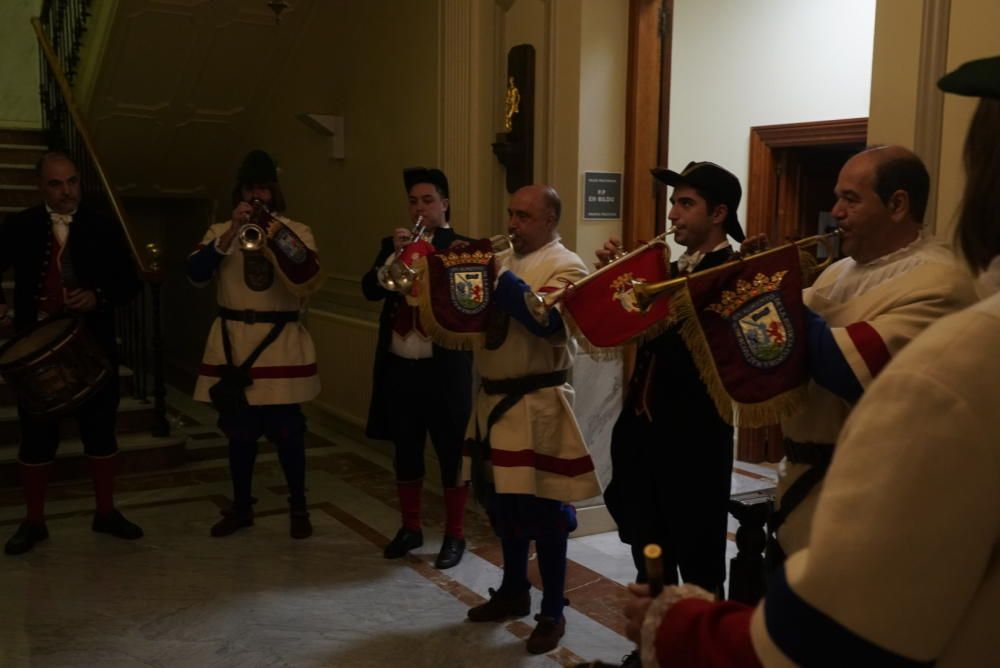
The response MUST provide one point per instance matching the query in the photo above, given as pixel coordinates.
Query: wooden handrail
(150, 270)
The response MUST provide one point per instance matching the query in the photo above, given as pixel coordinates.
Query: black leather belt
(250, 317)
(813, 454)
(817, 456)
(524, 384)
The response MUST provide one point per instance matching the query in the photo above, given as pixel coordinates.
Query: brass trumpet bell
(251, 237)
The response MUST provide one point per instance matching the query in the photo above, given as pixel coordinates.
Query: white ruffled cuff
(657, 611)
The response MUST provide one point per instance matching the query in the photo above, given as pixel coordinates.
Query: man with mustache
(523, 430)
(67, 259)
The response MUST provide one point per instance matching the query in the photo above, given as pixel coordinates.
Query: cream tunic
(539, 431)
(905, 548)
(285, 373)
(896, 297)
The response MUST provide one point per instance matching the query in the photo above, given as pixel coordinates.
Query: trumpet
(253, 234)
(541, 303)
(397, 275)
(647, 293)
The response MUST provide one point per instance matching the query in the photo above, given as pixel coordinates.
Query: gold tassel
(735, 413)
(439, 334)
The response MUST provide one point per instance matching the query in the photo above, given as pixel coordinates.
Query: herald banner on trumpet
(604, 309)
(455, 294)
(747, 336)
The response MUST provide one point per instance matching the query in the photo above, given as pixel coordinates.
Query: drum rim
(72, 321)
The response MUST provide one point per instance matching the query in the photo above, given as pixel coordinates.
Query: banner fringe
(440, 335)
(738, 414)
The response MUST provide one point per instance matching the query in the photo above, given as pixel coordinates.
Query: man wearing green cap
(900, 568)
(259, 363)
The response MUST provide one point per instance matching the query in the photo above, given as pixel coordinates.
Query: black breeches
(420, 407)
(673, 490)
(96, 419)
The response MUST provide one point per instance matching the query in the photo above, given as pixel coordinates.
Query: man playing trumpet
(523, 419)
(669, 426)
(419, 387)
(259, 362)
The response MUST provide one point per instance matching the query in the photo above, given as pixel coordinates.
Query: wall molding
(930, 100)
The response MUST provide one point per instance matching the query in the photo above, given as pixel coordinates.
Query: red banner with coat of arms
(455, 294)
(604, 309)
(747, 336)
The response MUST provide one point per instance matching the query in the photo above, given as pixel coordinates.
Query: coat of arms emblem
(763, 331)
(623, 293)
(469, 292)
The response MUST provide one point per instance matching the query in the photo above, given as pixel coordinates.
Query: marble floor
(259, 599)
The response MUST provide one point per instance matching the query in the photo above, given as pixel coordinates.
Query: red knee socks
(409, 503)
(454, 507)
(102, 470)
(35, 479)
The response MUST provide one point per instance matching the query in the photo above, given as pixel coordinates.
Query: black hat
(717, 182)
(257, 168)
(414, 175)
(976, 78)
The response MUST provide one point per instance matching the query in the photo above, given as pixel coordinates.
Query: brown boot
(502, 605)
(299, 524)
(232, 521)
(546, 635)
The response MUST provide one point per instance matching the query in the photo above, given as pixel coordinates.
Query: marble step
(22, 136)
(138, 453)
(21, 196)
(134, 416)
(21, 154)
(18, 174)
(125, 383)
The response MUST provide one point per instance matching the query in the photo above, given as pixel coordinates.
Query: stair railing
(60, 32)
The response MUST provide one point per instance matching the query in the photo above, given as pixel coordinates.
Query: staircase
(139, 451)
(19, 151)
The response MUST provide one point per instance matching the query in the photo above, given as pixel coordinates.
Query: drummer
(68, 260)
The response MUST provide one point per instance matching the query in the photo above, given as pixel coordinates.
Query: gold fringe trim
(773, 410)
(439, 334)
(642, 337)
(735, 413)
(597, 352)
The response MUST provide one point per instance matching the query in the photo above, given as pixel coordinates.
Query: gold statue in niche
(511, 104)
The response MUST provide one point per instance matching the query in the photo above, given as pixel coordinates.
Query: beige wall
(603, 79)
(895, 67)
(380, 71)
(581, 51)
(973, 33)
(19, 103)
(968, 32)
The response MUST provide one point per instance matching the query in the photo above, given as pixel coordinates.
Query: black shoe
(405, 540)
(232, 520)
(25, 538)
(299, 524)
(632, 660)
(546, 635)
(114, 523)
(502, 605)
(451, 552)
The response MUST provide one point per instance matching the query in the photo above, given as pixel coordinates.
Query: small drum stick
(654, 568)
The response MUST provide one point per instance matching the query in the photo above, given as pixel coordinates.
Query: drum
(54, 366)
